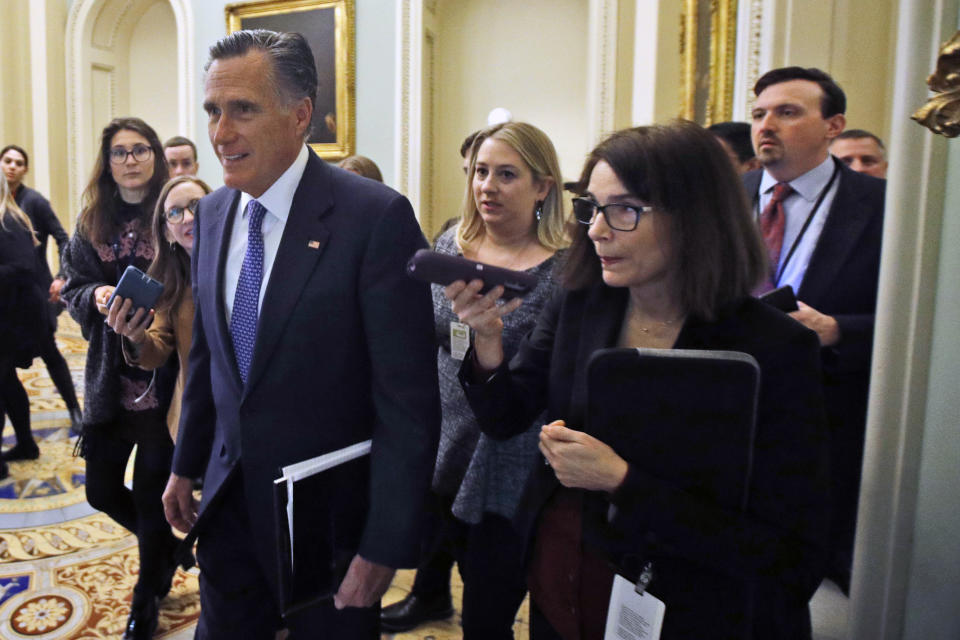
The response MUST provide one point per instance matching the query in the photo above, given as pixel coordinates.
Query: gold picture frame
(708, 60)
(333, 136)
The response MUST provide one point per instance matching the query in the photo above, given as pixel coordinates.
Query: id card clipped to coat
(632, 615)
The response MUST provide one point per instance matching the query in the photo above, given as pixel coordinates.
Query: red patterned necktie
(772, 223)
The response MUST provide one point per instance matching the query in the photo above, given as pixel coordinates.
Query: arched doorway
(126, 57)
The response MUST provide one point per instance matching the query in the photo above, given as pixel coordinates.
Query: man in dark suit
(824, 238)
(308, 337)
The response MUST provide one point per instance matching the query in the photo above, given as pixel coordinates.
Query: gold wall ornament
(329, 27)
(708, 49)
(941, 113)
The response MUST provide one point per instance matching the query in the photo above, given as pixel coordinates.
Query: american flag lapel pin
(314, 244)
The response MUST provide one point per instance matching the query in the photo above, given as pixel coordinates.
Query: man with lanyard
(822, 223)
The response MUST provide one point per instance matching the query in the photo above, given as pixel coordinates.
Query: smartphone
(139, 287)
(781, 298)
(442, 268)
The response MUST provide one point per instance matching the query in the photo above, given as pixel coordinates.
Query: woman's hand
(484, 315)
(580, 460)
(133, 328)
(100, 297)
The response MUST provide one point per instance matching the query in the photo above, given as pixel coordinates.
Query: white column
(409, 90)
(40, 151)
(645, 41)
(601, 69)
(892, 523)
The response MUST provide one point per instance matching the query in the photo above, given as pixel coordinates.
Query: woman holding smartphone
(151, 335)
(122, 408)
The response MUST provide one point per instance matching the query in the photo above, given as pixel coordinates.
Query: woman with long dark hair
(22, 318)
(122, 407)
(150, 336)
(664, 256)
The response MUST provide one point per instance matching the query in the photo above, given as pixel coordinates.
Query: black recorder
(442, 268)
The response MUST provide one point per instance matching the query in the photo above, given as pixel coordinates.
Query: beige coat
(164, 335)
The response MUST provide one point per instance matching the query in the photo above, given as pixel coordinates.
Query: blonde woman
(23, 317)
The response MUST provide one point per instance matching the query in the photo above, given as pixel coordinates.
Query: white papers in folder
(306, 468)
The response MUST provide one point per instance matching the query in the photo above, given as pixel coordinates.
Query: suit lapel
(600, 329)
(304, 239)
(221, 230)
(840, 235)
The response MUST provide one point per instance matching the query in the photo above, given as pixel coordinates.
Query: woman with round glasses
(665, 256)
(121, 406)
(151, 335)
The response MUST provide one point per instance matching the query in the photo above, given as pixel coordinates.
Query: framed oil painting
(708, 46)
(328, 26)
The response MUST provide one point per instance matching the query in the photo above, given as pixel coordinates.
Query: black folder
(687, 417)
(309, 567)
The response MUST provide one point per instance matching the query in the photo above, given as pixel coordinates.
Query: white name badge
(459, 340)
(633, 616)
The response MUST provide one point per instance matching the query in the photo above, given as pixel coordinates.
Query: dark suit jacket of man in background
(344, 352)
(841, 281)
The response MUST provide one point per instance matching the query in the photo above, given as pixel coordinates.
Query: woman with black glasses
(122, 407)
(151, 335)
(665, 256)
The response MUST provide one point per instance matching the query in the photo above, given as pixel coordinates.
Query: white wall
(153, 70)
(529, 57)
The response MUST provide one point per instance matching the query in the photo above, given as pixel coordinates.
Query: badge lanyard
(806, 224)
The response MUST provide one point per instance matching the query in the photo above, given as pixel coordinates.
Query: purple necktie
(243, 320)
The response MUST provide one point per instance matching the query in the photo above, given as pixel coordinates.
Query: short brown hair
(363, 166)
(180, 141)
(682, 171)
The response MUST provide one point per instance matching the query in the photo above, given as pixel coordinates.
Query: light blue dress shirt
(798, 207)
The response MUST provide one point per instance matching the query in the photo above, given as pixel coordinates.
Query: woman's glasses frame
(175, 214)
(140, 153)
(619, 217)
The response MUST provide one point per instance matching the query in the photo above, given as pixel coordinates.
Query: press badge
(459, 340)
(633, 613)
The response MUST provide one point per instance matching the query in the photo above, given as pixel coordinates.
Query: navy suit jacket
(841, 281)
(344, 352)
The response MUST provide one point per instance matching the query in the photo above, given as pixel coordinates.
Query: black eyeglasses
(175, 214)
(621, 217)
(140, 152)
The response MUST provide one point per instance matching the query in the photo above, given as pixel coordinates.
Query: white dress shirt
(798, 206)
(277, 200)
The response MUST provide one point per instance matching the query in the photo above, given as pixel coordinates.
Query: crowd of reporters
(661, 251)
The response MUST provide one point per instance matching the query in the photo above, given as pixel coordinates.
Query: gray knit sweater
(483, 474)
